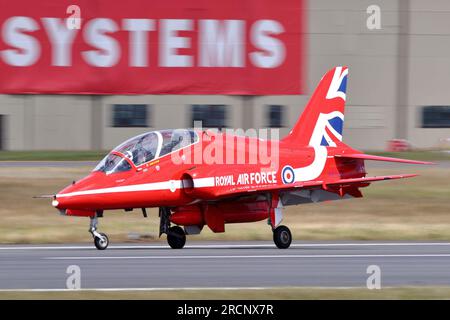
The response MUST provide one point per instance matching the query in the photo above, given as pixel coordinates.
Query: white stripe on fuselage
(204, 182)
(315, 169)
(163, 185)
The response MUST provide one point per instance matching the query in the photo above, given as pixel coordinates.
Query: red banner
(243, 47)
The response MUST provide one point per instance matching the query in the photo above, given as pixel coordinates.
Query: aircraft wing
(378, 158)
(370, 179)
(357, 182)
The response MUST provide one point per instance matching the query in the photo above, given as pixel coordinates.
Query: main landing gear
(176, 237)
(101, 240)
(282, 237)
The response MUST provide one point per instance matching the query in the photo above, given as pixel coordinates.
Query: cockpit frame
(127, 155)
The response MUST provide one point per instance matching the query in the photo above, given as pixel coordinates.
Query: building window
(211, 116)
(275, 116)
(130, 115)
(436, 117)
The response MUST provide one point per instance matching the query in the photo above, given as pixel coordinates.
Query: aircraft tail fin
(322, 120)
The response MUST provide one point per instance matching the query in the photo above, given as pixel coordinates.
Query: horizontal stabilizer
(378, 158)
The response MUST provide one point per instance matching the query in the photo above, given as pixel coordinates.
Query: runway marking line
(229, 246)
(443, 255)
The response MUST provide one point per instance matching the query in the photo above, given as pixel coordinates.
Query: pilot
(140, 153)
(176, 142)
(151, 143)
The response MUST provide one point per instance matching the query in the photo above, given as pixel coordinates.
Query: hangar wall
(393, 72)
(429, 66)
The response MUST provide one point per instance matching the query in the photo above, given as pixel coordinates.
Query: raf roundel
(287, 175)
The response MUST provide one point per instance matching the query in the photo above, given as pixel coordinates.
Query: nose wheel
(282, 237)
(101, 240)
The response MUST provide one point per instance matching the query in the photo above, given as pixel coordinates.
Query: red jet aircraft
(156, 169)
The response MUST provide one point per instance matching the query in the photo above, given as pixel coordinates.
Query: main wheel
(101, 243)
(176, 237)
(282, 237)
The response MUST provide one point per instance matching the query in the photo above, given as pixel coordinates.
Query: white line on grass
(167, 289)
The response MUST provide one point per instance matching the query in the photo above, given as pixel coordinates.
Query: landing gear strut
(101, 240)
(164, 220)
(176, 237)
(282, 237)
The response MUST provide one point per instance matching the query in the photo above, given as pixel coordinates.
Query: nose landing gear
(282, 237)
(101, 240)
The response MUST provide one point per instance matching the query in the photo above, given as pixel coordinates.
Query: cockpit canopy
(146, 147)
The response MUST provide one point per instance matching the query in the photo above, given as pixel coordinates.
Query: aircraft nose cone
(55, 203)
(68, 198)
(61, 200)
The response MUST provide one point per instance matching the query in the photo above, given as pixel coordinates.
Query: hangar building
(398, 87)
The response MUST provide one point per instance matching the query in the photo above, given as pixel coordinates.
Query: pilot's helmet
(129, 154)
(180, 137)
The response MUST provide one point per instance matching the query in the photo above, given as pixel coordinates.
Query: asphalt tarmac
(225, 265)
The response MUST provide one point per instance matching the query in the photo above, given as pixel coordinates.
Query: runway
(225, 265)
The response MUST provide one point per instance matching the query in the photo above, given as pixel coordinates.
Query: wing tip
(411, 175)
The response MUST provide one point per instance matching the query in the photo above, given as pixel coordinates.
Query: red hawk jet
(205, 177)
